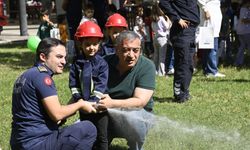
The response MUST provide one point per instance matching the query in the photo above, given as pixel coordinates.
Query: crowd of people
(114, 68)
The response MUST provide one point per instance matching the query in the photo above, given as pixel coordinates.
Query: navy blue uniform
(106, 48)
(88, 78)
(88, 81)
(32, 128)
(183, 40)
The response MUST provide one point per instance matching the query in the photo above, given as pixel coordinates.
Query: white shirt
(213, 7)
(161, 28)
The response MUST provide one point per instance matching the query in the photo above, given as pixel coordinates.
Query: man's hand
(184, 23)
(105, 102)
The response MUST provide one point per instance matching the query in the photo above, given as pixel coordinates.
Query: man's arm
(139, 100)
(57, 112)
(166, 7)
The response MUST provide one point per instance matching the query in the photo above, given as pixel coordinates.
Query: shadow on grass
(212, 79)
(117, 147)
(14, 45)
(17, 60)
(164, 99)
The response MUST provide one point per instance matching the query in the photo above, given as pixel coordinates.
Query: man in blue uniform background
(185, 18)
(37, 111)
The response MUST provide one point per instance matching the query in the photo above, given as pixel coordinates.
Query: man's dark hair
(45, 47)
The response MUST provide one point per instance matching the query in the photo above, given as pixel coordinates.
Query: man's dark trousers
(183, 41)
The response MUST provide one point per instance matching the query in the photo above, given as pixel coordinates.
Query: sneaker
(170, 72)
(220, 75)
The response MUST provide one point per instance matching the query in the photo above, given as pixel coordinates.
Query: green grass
(216, 118)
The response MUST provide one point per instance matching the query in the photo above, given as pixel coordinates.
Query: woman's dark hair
(156, 12)
(45, 47)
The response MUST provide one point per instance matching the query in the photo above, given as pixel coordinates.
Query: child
(88, 78)
(139, 27)
(45, 26)
(88, 14)
(161, 29)
(114, 25)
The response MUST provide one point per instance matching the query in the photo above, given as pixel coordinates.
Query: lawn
(216, 118)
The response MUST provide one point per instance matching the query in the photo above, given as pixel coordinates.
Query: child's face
(90, 46)
(140, 11)
(113, 32)
(89, 13)
(45, 17)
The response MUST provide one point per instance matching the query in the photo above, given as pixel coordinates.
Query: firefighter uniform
(32, 128)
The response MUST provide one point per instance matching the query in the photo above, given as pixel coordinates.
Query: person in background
(62, 25)
(36, 109)
(139, 27)
(114, 25)
(243, 31)
(169, 59)
(73, 9)
(88, 13)
(88, 78)
(211, 15)
(111, 9)
(161, 25)
(185, 19)
(101, 11)
(45, 26)
(225, 43)
(130, 91)
(148, 48)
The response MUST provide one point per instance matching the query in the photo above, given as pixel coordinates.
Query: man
(131, 86)
(185, 18)
(212, 16)
(37, 111)
(73, 9)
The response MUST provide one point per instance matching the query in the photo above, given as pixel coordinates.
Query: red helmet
(88, 29)
(116, 20)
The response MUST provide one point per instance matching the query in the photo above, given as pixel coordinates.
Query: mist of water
(165, 133)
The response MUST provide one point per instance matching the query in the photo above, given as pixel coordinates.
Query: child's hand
(100, 108)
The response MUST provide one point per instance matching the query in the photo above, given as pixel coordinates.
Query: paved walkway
(11, 34)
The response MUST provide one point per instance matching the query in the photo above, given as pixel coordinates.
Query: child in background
(161, 29)
(148, 48)
(88, 13)
(139, 27)
(88, 78)
(45, 26)
(114, 26)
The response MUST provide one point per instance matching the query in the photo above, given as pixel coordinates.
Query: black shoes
(183, 99)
